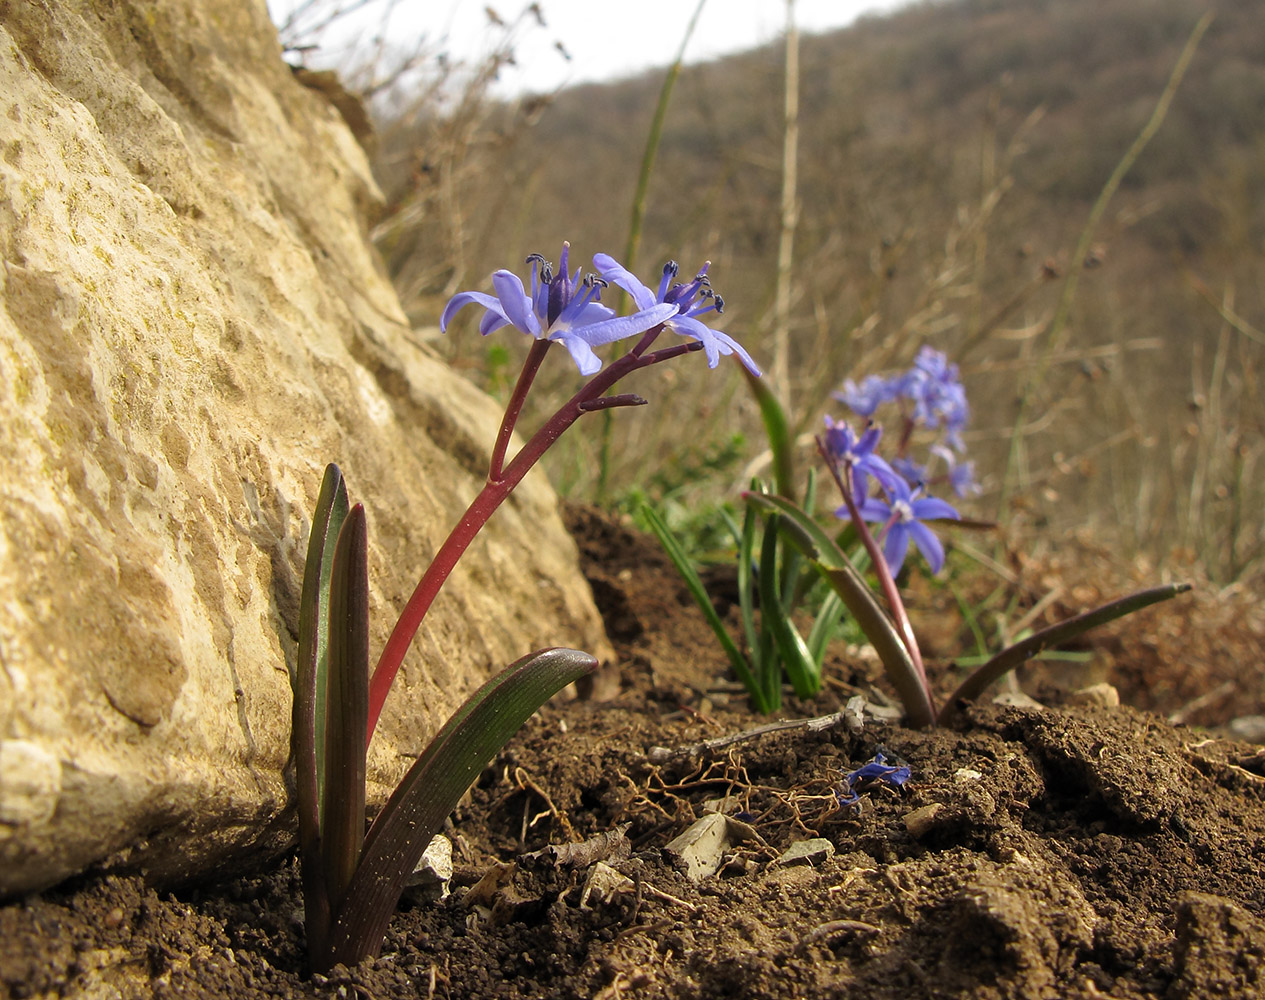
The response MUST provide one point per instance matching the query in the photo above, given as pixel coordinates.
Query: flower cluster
(931, 386)
(930, 396)
(565, 308)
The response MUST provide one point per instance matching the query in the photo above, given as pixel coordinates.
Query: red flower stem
(484, 505)
(903, 627)
(531, 365)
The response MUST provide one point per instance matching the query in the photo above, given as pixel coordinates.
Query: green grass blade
(777, 429)
(347, 707)
(434, 785)
(637, 217)
(695, 586)
(825, 625)
(792, 652)
(833, 564)
(801, 529)
(1013, 656)
(309, 693)
(764, 663)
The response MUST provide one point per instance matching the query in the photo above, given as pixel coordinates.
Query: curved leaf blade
(833, 564)
(694, 584)
(1013, 656)
(347, 706)
(791, 649)
(777, 429)
(434, 785)
(309, 692)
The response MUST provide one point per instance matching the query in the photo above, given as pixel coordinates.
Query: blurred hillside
(948, 160)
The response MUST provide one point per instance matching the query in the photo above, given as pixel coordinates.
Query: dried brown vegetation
(948, 159)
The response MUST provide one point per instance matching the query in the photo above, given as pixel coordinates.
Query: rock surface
(192, 324)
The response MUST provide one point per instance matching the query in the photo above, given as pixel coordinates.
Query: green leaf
(833, 564)
(347, 706)
(764, 661)
(309, 693)
(776, 429)
(792, 651)
(825, 625)
(801, 529)
(1013, 656)
(433, 787)
(695, 586)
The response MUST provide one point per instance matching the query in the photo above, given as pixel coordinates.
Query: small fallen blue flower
(877, 771)
(690, 300)
(561, 307)
(902, 519)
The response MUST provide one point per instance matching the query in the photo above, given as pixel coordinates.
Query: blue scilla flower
(849, 452)
(902, 519)
(867, 397)
(960, 475)
(937, 394)
(560, 307)
(689, 301)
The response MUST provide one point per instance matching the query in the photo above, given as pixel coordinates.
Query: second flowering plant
(888, 508)
(353, 879)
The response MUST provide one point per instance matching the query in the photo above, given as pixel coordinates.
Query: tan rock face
(191, 325)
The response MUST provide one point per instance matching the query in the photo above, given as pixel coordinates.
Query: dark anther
(546, 269)
(703, 279)
(593, 279)
(670, 268)
(720, 303)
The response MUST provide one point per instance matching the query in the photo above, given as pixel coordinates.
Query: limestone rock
(192, 323)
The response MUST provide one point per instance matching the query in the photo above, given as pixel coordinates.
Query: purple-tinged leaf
(1013, 656)
(346, 707)
(432, 788)
(308, 723)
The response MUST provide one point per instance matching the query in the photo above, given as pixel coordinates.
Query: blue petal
(579, 313)
(875, 510)
(736, 348)
(610, 330)
(581, 353)
(493, 319)
(463, 299)
(687, 326)
(612, 270)
(928, 544)
(896, 546)
(515, 303)
(930, 508)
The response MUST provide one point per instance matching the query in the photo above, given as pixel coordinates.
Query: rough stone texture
(191, 325)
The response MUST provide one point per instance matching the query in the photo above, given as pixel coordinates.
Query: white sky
(606, 39)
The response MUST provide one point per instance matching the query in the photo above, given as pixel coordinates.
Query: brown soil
(1071, 852)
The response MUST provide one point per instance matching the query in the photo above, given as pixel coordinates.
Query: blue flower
(867, 397)
(846, 450)
(960, 475)
(903, 518)
(877, 771)
(560, 307)
(910, 470)
(689, 301)
(937, 394)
